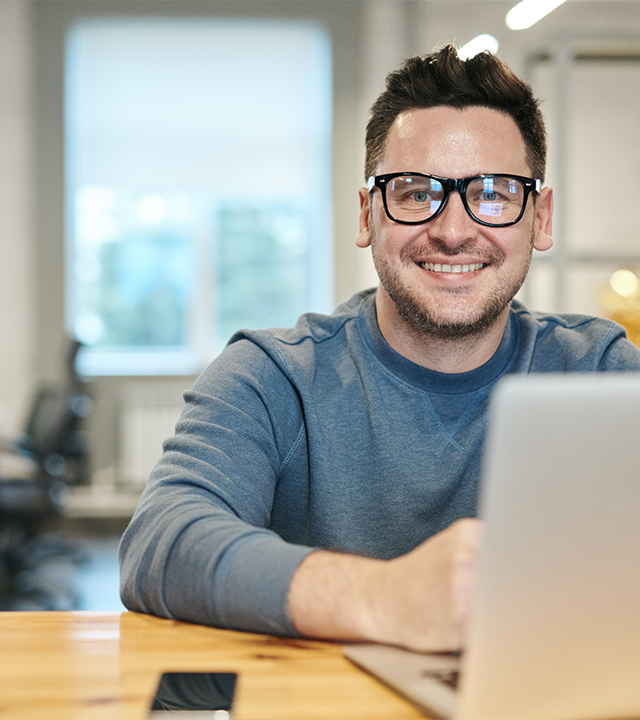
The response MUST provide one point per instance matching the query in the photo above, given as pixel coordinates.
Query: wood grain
(86, 666)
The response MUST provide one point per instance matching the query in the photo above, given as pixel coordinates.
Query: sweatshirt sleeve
(199, 546)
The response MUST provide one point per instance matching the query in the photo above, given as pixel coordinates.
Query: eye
(492, 189)
(488, 193)
(413, 193)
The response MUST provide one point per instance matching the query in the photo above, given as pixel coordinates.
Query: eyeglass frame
(450, 185)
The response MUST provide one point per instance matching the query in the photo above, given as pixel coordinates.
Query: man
(323, 479)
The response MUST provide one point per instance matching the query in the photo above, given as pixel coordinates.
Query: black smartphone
(207, 695)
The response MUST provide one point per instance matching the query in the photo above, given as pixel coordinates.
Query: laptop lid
(556, 625)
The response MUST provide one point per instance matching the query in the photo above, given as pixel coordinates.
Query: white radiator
(148, 414)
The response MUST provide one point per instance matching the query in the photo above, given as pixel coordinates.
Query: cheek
(518, 248)
(510, 241)
(402, 237)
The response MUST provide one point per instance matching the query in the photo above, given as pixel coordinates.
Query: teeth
(437, 267)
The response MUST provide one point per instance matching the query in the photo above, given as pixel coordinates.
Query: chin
(451, 323)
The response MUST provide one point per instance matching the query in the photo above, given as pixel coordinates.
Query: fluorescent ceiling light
(528, 12)
(478, 45)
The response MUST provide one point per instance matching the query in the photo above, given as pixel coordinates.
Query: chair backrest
(52, 434)
(54, 418)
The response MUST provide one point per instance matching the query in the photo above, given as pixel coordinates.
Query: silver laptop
(555, 631)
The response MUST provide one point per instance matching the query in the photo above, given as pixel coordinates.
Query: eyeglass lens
(492, 200)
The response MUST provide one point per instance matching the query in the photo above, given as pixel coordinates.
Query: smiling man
(323, 480)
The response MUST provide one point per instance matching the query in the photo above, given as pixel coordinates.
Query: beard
(454, 315)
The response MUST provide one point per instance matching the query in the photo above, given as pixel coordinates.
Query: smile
(439, 268)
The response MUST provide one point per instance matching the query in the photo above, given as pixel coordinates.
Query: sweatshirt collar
(431, 380)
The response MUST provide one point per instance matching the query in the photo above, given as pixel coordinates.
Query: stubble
(453, 316)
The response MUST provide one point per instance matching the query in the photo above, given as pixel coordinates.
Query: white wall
(17, 243)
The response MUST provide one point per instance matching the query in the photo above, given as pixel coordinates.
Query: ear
(544, 216)
(363, 240)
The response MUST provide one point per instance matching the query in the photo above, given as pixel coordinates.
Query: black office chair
(56, 450)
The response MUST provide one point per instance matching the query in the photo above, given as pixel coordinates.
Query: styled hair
(442, 78)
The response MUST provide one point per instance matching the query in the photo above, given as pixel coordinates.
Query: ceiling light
(478, 45)
(528, 12)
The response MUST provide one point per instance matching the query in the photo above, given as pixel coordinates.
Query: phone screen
(208, 695)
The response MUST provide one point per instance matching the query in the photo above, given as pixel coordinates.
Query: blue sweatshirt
(322, 436)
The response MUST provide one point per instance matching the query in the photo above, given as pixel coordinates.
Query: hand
(421, 600)
(425, 598)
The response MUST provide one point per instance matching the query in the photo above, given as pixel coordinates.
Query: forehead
(454, 142)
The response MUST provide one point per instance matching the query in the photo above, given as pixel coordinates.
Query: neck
(445, 355)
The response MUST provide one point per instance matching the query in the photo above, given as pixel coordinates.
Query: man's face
(484, 267)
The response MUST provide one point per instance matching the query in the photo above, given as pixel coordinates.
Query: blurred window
(198, 184)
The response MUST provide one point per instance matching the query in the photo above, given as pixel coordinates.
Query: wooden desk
(80, 666)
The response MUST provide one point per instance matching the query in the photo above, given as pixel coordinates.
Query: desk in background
(85, 666)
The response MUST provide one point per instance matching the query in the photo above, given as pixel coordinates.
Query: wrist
(334, 595)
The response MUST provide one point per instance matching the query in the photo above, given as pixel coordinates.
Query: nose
(453, 225)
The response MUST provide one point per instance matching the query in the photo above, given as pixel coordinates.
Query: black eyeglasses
(495, 200)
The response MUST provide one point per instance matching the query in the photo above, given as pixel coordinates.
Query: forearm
(215, 570)
(332, 596)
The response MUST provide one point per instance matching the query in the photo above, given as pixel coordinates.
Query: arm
(199, 547)
(420, 600)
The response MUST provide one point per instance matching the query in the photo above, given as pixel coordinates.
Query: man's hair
(442, 78)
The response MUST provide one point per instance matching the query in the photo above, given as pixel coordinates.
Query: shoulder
(574, 342)
(575, 324)
(271, 354)
(311, 332)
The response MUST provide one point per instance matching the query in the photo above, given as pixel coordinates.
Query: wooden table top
(84, 665)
